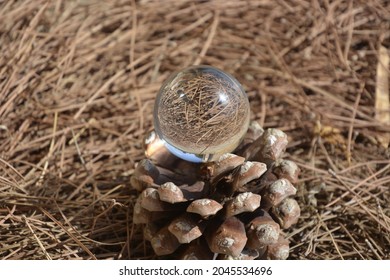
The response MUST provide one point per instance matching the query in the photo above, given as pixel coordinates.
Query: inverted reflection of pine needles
(202, 110)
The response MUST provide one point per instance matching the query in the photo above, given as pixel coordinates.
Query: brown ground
(77, 85)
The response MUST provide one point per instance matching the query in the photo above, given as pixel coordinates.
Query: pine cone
(234, 208)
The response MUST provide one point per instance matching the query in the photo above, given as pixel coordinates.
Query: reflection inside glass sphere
(201, 112)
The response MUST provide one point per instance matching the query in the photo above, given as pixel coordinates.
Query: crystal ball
(201, 113)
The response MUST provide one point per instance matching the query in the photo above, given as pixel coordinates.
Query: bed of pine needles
(78, 81)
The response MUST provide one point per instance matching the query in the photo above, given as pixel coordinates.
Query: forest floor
(78, 81)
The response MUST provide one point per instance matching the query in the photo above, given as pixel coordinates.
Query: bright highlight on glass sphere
(201, 113)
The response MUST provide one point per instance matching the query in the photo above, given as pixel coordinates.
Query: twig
(382, 99)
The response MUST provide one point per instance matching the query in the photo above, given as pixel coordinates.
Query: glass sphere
(201, 113)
